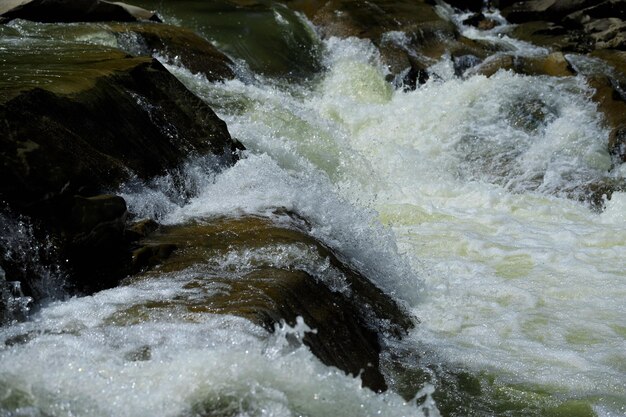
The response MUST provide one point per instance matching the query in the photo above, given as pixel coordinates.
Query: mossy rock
(347, 311)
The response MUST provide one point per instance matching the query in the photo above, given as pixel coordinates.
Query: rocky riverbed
(272, 164)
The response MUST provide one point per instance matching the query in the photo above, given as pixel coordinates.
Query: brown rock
(429, 36)
(553, 64)
(196, 53)
(334, 299)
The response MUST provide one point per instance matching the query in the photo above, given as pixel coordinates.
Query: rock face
(308, 280)
(141, 119)
(52, 11)
(97, 118)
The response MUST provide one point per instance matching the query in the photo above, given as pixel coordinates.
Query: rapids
(455, 198)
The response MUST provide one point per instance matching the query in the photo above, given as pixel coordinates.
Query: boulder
(66, 11)
(553, 64)
(553, 36)
(79, 122)
(573, 25)
(178, 44)
(85, 134)
(264, 36)
(347, 311)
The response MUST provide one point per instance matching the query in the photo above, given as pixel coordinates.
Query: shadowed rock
(66, 11)
(81, 124)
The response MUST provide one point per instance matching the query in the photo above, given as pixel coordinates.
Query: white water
(450, 197)
(518, 279)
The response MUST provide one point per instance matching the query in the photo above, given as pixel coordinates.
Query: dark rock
(96, 248)
(142, 229)
(481, 22)
(547, 10)
(140, 120)
(470, 5)
(98, 118)
(553, 36)
(268, 37)
(604, 10)
(149, 256)
(66, 11)
(465, 62)
(14, 305)
(617, 143)
(613, 107)
(347, 311)
(180, 44)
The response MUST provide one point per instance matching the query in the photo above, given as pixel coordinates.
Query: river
(447, 197)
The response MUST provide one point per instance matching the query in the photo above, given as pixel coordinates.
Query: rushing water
(453, 198)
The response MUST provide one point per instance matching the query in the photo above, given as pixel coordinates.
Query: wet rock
(553, 64)
(142, 228)
(617, 143)
(289, 274)
(96, 248)
(137, 118)
(180, 45)
(266, 37)
(613, 107)
(85, 121)
(547, 10)
(553, 36)
(481, 22)
(409, 34)
(465, 62)
(575, 25)
(149, 256)
(13, 304)
(51, 11)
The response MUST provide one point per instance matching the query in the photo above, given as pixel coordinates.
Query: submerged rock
(279, 272)
(51, 11)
